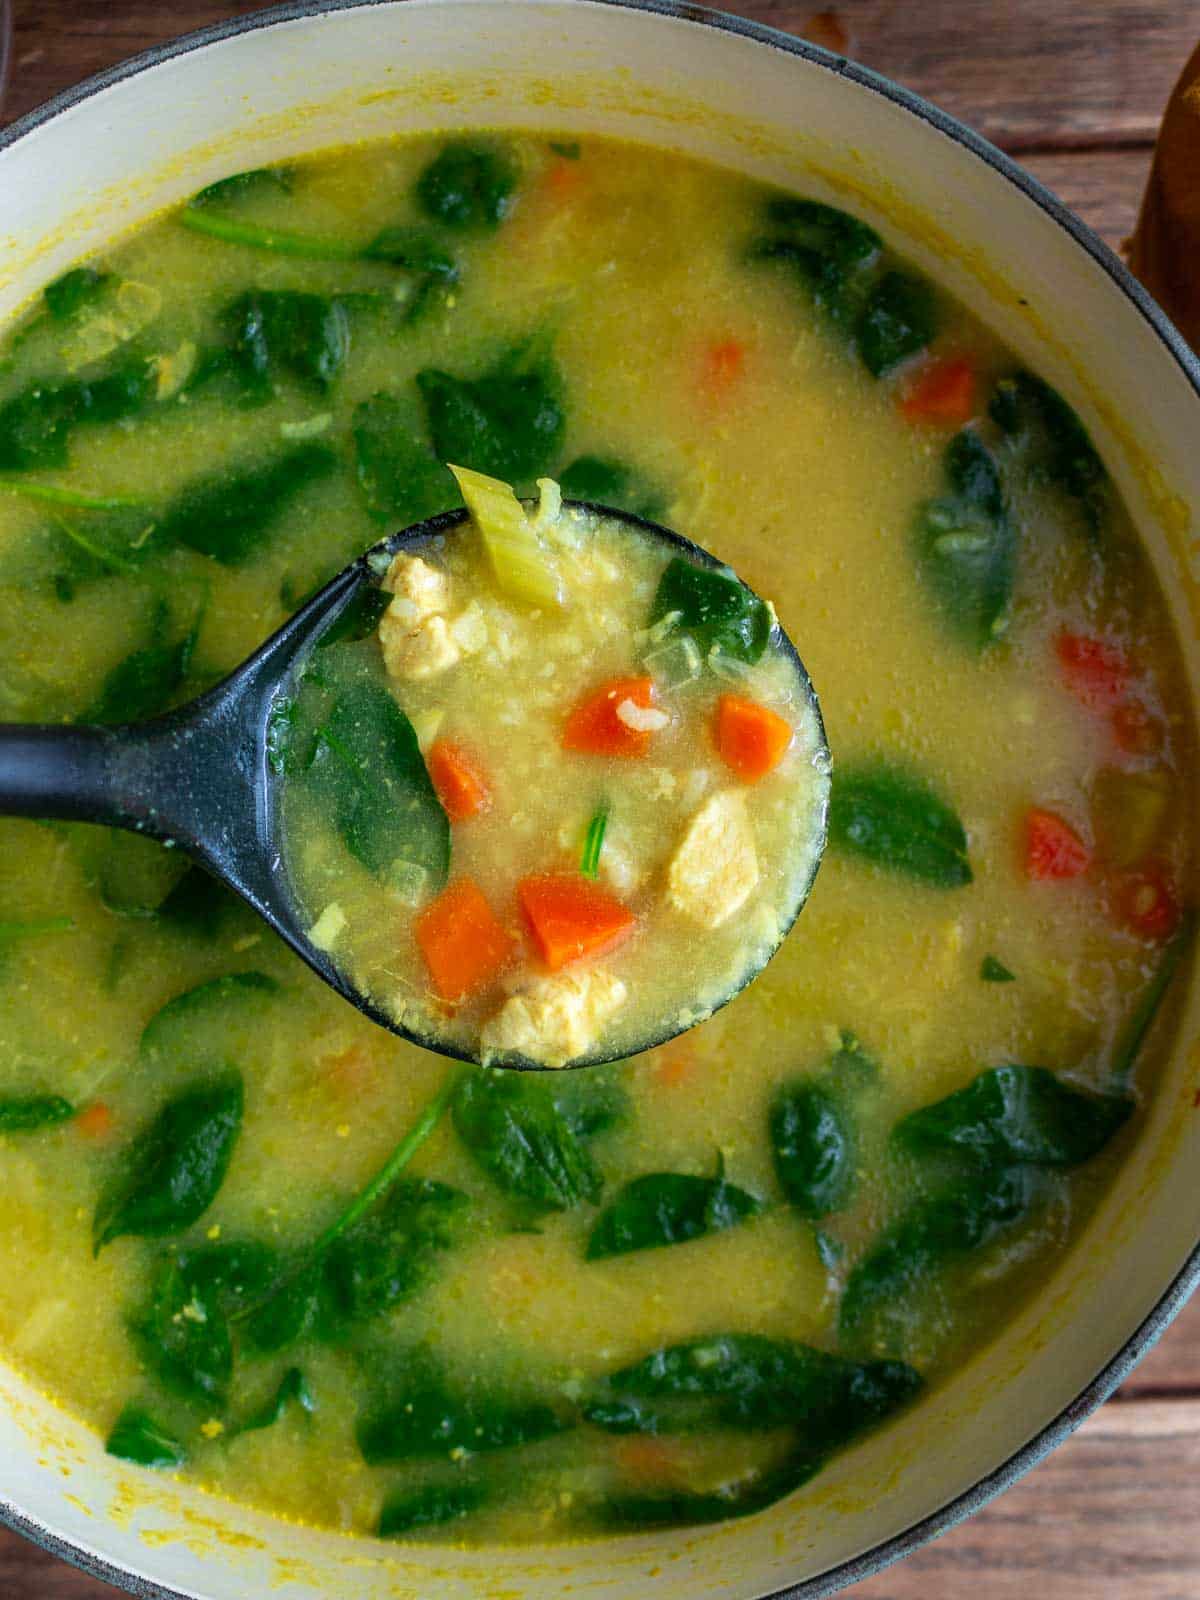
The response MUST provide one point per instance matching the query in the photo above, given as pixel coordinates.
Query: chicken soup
(316, 1268)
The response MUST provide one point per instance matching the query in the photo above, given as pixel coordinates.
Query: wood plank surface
(1074, 88)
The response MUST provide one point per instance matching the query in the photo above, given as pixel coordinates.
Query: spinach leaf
(401, 478)
(239, 184)
(689, 1508)
(368, 765)
(894, 819)
(145, 682)
(717, 611)
(993, 971)
(132, 874)
(296, 1306)
(292, 1390)
(182, 1331)
(1016, 1114)
(512, 1128)
(424, 1418)
(389, 1255)
(285, 330)
(36, 425)
(136, 1436)
(608, 482)
(170, 1174)
(67, 296)
(1053, 444)
(469, 185)
(966, 544)
(662, 1208)
(815, 1149)
(507, 423)
(747, 1381)
(228, 515)
(899, 318)
(197, 904)
(964, 1215)
(27, 1113)
(592, 1100)
(428, 1506)
(432, 269)
(172, 1028)
(832, 254)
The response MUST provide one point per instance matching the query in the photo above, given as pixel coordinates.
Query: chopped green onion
(593, 843)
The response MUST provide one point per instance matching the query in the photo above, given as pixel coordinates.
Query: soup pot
(292, 80)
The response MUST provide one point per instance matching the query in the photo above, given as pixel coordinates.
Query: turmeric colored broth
(510, 1306)
(617, 828)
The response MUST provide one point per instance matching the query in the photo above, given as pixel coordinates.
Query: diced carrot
(943, 392)
(595, 727)
(1052, 847)
(1146, 902)
(461, 786)
(464, 945)
(723, 364)
(95, 1122)
(648, 1460)
(751, 738)
(1096, 673)
(1135, 731)
(571, 917)
(563, 179)
(674, 1063)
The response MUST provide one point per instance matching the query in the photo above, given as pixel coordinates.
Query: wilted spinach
(170, 1174)
(898, 318)
(893, 818)
(468, 184)
(966, 544)
(662, 1208)
(228, 515)
(427, 1507)
(402, 480)
(367, 765)
(172, 1030)
(29, 1113)
(511, 1126)
(137, 1436)
(1052, 445)
(422, 1417)
(714, 609)
(509, 422)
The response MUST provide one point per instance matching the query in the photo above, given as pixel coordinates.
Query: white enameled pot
(292, 80)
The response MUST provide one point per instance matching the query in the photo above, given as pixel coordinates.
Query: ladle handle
(49, 770)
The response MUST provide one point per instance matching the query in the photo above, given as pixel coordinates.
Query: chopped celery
(523, 567)
(677, 663)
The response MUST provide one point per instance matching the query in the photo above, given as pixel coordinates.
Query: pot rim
(1180, 1289)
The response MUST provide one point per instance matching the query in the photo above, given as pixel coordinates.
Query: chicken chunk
(424, 587)
(715, 869)
(413, 632)
(554, 1020)
(417, 652)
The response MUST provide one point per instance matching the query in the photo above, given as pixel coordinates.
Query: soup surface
(322, 1270)
(592, 842)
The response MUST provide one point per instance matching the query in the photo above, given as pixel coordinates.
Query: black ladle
(199, 778)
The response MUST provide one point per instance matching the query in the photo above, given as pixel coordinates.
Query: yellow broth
(686, 870)
(1009, 855)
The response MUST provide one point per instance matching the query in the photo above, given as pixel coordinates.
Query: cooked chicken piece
(424, 587)
(554, 1020)
(416, 652)
(715, 869)
(413, 632)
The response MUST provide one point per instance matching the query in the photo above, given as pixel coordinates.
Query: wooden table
(1075, 90)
